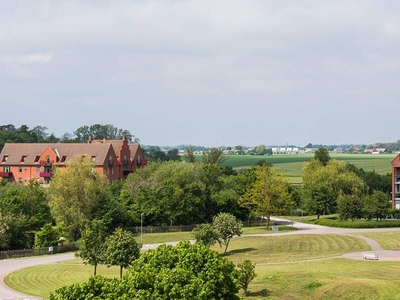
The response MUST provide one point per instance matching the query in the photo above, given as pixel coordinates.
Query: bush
(358, 223)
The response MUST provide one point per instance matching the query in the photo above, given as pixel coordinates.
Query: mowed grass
(327, 279)
(44, 279)
(387, 240)
(41, 280)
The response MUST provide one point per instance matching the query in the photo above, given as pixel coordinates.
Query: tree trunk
(268, 220)
(95, 269)
(120, 271)
(226, 246)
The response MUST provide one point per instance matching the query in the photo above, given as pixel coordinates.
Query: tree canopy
(184, 271)
(75, 193)
(268, 194)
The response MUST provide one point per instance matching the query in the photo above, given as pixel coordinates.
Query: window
(23, 158)
(19, 169)
(63, 158)
(5, 157)
(37, 158)
(48, 158)
(112, 170)
(20, 180)
(37, 169)
(7, 169)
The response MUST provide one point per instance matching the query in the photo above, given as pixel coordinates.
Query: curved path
(12, 265)
(8, 266)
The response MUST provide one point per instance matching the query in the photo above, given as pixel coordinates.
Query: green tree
(75, 193)
(173, 155)
(99, 132)
(322, 155)
(182, 272)
(47, 236)
(121, 249)
(189, 155)
(227, 226)
(91, 248)
(268, 194)
(213, 156)
(322, 185)
(350, 207)
(377, 205)
(205, 234)
(247, 273)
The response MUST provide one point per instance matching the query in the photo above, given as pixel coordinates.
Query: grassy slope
(40, 280)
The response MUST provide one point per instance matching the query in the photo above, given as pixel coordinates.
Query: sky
(211, 73)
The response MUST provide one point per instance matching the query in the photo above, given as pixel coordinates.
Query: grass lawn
(387, 240)
(269, 253)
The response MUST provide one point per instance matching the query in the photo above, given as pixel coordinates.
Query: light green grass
(387, 240)
(327, 279)
(41, 280)
(44, 279)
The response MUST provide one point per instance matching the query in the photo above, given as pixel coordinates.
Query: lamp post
(141, 228)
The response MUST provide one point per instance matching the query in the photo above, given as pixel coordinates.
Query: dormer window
(93, 157)
(23, 158)
(63, 158)
(37, 158)
(5, 157)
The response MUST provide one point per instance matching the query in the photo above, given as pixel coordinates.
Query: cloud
(27, 58)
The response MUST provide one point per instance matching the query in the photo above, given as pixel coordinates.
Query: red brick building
(396, 182)
(23, 162)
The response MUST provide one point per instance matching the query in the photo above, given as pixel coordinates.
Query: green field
(292, 165)
(287, 267)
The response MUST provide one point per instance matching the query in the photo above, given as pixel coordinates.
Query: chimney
(90, 139)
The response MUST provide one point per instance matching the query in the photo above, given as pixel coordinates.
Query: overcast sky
(206, 73)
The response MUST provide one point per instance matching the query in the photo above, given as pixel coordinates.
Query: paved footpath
(8, 266)
(12, 265)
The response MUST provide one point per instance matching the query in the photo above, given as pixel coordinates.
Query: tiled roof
(15, 151)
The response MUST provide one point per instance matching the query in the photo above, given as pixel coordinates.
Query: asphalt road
(12, 265)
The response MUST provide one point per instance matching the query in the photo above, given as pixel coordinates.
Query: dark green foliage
(357, 223)
(121, 249)
(99, 132)
(182, 272)
(23, 210)
(47, 236)
(322, 155)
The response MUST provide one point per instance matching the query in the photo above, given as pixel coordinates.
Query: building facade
(24, 162)
(396, 182)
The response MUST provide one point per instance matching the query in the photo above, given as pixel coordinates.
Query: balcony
(45, 174)
(5, 174)
(46, 162)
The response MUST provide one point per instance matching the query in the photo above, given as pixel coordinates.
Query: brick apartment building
(396, 182)
(23, 162)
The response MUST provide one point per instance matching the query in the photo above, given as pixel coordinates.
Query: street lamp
(141, 228)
